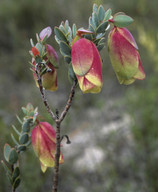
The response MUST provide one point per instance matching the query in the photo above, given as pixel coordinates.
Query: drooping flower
(87, 65)
(43, 138)
(49, 79)
(124, 56)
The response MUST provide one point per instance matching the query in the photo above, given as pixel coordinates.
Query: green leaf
(32, 43)
(65, 48)
(15, 129)
(16, 173)
(14, 140)
(13, 156)
(71, 74)
(101, 28)
(95, 8)
(67, 28)
(59, 34)
(91, 28)
(16, 183)
(95, 19)
(101, 13)
(20, 121)
(67, 59)
(39, 47)
(24, 138)
(122, 20)
(6, 167)
(107, 15)
(61, 27)
(26, 126)
(100, 47)
(74, 30)
(7, 149)
(24, 110)
(21, 148)
(9, 177)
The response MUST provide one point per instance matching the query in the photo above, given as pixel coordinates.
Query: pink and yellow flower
(87, 65)
(43, 138)
(124, 56)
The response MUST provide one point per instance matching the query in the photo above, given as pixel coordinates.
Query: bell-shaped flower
(124, 56)
(43, 138)
(87, 65)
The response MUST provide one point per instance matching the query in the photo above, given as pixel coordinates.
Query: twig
(43, 93)
(68, 105)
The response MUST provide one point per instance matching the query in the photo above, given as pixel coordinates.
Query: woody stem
(58, 119)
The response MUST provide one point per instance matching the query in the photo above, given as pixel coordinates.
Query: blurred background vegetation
(114, 134)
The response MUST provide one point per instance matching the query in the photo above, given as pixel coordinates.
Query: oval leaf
(59, 34)
(24, 138)
(16, 183)
(122, 20)
(7, 149)
(16, 173)
(65, 48)
(101, 13)
(107, 15)
(13, 156)
(101, 28)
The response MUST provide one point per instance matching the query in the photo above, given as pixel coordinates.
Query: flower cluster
(45, 55)
(80, 48)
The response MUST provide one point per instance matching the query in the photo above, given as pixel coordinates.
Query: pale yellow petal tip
(43, 168)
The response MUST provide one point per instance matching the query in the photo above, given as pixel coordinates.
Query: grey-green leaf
(65, 48)
(67, 59)
(21, 148)
(24, 138)
(7, 150)
(13, 156)
(107, 15)
(95, 19)
(5, 167)
(101, 28)
(26, 126)
(122, 20)
(16, 183)
(59, 34)
(74, 30)
(95, 8)
(16, 173)
(101, 13)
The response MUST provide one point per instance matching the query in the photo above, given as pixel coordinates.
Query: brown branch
(39, 80)
(68, 105)
(57, 157)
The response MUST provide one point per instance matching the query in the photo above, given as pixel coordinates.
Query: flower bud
(124, 56)
(43, 138)
(87, 65)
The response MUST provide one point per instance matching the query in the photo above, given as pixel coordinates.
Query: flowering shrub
(80, 49)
